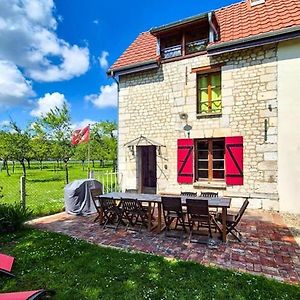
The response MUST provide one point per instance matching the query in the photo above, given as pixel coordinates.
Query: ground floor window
(210, 159)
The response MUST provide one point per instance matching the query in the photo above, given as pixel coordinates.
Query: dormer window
(184, 38)
(171, 46)
(185, 42)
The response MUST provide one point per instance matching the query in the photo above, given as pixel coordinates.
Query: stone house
(211, 103)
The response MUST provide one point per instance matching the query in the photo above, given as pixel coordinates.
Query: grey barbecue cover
(78, 199)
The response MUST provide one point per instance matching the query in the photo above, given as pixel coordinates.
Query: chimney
(255, 2)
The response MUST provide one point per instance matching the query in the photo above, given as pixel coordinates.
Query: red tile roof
(241, 20)
(141, 50)
(236, 21)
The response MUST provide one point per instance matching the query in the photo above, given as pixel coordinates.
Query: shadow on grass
(45, 179)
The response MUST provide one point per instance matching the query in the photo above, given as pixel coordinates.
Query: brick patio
(268, 247)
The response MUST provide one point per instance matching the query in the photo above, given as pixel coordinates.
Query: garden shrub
(13, 217)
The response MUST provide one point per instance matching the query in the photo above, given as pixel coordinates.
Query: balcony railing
(196, 46)
(191, 47)
(171, 52)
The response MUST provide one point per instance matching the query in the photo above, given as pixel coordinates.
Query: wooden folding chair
(209, 194)
(189, 194)
(232, 221)
(6, 264)
(95, 193)
(212, 211)
(112, 212)
(172, 210)
(198, 215)
(134, 213)
(144, 204)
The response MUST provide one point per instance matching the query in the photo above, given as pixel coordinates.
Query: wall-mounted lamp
(187, 128)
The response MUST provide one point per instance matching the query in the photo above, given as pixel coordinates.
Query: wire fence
(43, 189)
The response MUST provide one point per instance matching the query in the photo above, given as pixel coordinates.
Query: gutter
(156, 30)
(254, 41)
(132, 68)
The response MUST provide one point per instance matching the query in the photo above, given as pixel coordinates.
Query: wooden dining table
(152, 199)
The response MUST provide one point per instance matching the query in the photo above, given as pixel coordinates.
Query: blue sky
(50, 52)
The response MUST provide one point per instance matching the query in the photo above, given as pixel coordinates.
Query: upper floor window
(184, 42)
(209, 97)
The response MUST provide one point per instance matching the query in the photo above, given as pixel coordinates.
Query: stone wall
(150, 103)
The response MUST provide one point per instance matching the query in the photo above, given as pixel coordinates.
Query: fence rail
(111, 181)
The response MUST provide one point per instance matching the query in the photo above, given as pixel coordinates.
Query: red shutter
(234, 160)
(185, 161)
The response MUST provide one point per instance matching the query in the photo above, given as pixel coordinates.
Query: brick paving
(268, 247)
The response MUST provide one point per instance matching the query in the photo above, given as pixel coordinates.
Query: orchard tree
(4, 150)
(57, 127)
(104, 134)
(19, 147)
(81, 153)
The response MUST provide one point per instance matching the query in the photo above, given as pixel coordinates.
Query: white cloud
(29, 40)
(83, 123)
(48, 102)
(103, 60)
(4, 123)
(14, 88)
(108, 96)
(96, 21)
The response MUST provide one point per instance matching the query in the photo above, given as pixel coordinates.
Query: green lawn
(44, 188)
(78, 270)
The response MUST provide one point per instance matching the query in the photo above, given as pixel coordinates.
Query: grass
(78, 270)
(44, 188)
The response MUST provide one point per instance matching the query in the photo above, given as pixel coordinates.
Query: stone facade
(150, 104)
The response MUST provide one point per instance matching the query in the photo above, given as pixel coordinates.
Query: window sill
(209, 115)
(221, 185)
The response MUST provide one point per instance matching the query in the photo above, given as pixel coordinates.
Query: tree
(4, 150)
(104, 136)
(57, 127)
(81, 153)
(18, 145)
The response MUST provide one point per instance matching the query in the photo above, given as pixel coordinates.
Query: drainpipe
(213, 32)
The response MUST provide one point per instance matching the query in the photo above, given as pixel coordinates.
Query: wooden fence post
(23, 191)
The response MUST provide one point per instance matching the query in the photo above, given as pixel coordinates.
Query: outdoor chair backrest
(197, 207)
(189, 194)
(172, 204)
(95, 193)
(209, 194)
(130, 205)
(107, 203)
(132, 191)
(241, 211)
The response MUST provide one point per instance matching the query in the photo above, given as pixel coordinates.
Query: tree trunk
(28, 163)
(82, 162)
(23, 167)
(13, 169)
(6, 167)
(93, 163)
(67, 172)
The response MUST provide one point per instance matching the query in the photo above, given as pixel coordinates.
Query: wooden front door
(148, 169)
